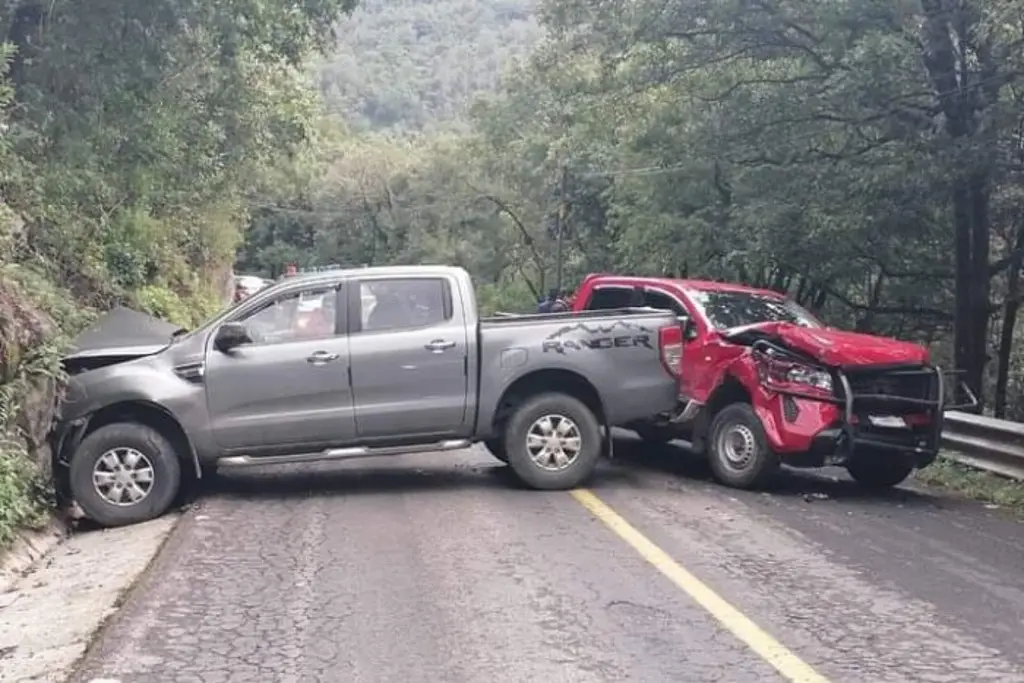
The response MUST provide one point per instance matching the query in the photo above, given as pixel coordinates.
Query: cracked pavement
(435, 568)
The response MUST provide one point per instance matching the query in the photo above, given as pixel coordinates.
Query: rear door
(289, 388)
(408, 346)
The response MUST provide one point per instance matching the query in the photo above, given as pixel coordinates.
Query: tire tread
(515, 441)
(166, 472)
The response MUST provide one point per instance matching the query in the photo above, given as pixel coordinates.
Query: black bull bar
(938, 399)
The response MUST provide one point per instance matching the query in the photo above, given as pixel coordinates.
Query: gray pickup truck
(348, 364)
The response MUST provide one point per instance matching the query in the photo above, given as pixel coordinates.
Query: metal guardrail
(985, 443)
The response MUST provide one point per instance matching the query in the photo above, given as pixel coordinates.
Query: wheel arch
(137, 411)
(543, 381)
(730, 390)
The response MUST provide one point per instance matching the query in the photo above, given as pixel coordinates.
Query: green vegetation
(132, 133)
(415, 65)
(950, 475)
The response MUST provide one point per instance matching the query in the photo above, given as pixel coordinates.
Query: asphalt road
(433, 568)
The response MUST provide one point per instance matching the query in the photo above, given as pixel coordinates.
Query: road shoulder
(50, 614)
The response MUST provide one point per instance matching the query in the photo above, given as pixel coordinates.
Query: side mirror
(689, 327)
(231, 335)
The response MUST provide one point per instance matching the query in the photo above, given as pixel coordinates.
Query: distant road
(421, 569)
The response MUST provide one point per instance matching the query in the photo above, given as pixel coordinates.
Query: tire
(120, 439)
(497, 449)
(579, 419)
(755, 463)
(654, 435)
(878, 470)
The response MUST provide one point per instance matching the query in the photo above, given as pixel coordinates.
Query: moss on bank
(969, 482)
(26, 496)
(35, 319)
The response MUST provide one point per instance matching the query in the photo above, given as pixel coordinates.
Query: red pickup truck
(764, 382)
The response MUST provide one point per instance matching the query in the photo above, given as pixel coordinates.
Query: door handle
(321, 357)
(439, 345)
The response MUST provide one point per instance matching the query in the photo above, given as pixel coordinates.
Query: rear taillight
(670, 345)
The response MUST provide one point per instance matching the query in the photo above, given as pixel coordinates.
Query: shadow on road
(366, 478)
(809, 485)
(679, 468)
(292, 481)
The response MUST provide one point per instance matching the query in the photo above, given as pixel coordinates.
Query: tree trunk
(1010, 307)
(947, 28)
(980, 284)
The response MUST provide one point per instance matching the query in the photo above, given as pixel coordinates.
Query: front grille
(899, 391)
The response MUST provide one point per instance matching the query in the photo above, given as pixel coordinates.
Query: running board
(341, 454)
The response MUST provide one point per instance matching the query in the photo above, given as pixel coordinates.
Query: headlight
(818, 379)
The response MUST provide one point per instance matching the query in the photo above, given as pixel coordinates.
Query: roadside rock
(27, 392)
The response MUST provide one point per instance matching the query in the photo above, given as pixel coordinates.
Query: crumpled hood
(840, 348)
(124, 333)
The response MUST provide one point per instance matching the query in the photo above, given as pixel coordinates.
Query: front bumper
(811, 428)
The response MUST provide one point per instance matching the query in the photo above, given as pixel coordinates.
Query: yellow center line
(790, 666)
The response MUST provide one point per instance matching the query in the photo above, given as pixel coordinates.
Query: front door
(408, 348)
(289, 388)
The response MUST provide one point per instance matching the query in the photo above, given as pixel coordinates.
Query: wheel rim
(738, 446)
(123, 477)
(554, 442)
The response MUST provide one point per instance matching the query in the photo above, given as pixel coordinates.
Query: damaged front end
(118, 336)
(819, 414)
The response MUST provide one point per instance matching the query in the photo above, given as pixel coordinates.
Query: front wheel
(124, 473)
(553, 442)
(876, 469)
(738, 449)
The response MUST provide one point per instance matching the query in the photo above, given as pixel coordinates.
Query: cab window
(403, 303)
(655, 299)
(297, 316)
(611, 297)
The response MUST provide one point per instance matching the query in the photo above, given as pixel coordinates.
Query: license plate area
(887, 421)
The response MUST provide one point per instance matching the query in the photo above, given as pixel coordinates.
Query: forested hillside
(413, 65)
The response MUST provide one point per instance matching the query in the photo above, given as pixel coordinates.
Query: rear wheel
(124, 473)
(878, 469)
(738, 450)
(553, 441)
(497, 448)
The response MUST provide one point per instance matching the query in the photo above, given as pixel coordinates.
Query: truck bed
(617, 352)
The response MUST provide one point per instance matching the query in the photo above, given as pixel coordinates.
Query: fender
(79, 408)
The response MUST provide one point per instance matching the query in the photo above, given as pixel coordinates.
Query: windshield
(726, 310)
